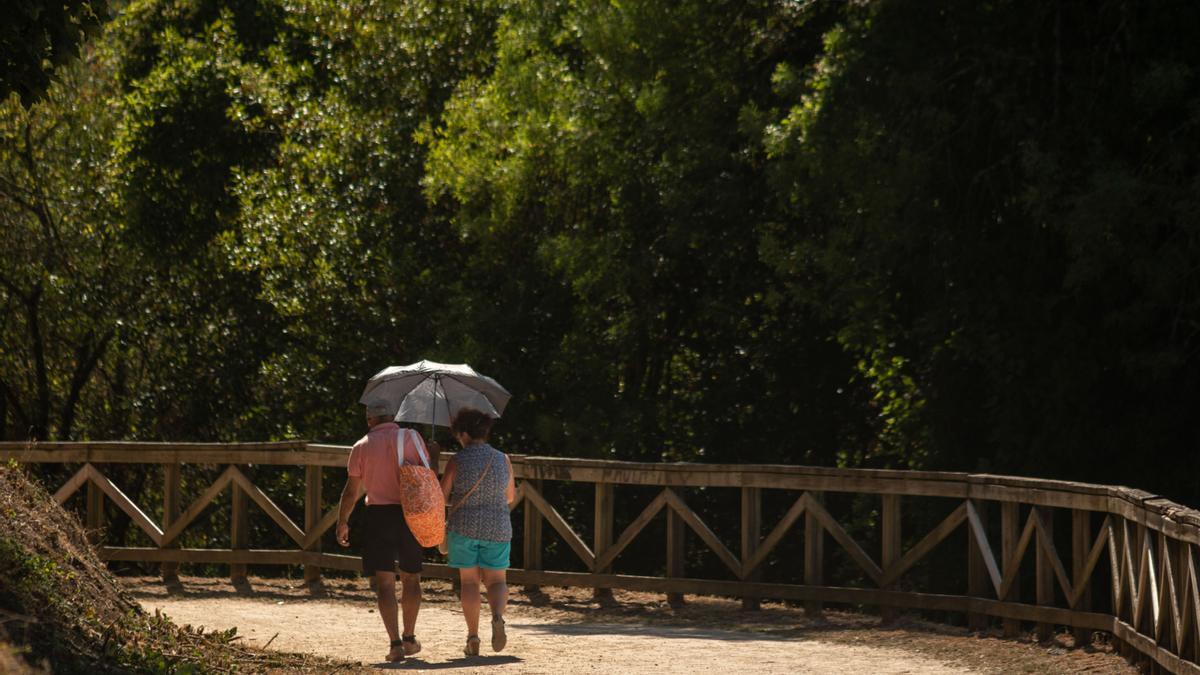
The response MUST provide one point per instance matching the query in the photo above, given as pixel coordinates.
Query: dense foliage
(938, 235)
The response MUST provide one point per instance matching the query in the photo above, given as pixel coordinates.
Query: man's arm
(350, 495)
(448, 479)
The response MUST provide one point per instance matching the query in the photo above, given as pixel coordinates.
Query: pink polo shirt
(373, 459)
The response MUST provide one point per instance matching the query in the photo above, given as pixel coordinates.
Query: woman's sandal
(499, 639)
(411, 644)
(472, 648)
(397, 653)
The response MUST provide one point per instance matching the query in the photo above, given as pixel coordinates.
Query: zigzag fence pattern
(1137, 549)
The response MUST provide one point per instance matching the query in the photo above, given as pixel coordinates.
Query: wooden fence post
(313, 510)
(1081, 545)
(814, 557)
(1044, 573)
(603, 535)
(892, 544)
(676, 550)
(977, 576)
(533, 536)
(172, 483)
(751, 529)
(95, 513)
(239, 532)
(1010, 536)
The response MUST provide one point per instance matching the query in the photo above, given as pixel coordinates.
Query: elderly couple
(478, 487)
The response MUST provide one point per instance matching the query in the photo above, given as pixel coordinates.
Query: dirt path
(568, 632)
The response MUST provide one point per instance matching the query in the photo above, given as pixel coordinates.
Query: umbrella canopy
(427, 392)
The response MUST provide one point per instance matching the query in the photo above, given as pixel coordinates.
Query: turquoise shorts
(465, 552)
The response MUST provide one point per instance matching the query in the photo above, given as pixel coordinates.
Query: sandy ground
(566, 631)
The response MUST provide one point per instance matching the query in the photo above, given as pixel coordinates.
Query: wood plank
(72, 485)
(1045, 532)
(1044, 567)
(1010, 590)
(891, 544)
(751, 527)
(239, 527)
(172, 484)
(532, 531)
(1168, 617)
(268, 506)
(124, 503)
(643, 519)
(927, 543)
(313, 506)
(1082, 546)
(1146, 645)
(676, 549)
(706, 534)
(1083, 570)
(1114, 565)
(602, 531)
(840, 535)
(219, 485)
(1193, 599)
(980, 540)
(532, 496)
(317, 531)
(94, 515)
(764, 549)
(814, 553)
(206, 556)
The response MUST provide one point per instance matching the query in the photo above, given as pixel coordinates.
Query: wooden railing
(1132, 553)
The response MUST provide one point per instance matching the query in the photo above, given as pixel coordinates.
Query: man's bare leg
(385, 593)
(410, 604)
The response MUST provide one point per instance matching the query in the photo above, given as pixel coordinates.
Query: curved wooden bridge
(1129, 569)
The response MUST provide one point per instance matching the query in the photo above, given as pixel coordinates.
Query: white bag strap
(401, 437)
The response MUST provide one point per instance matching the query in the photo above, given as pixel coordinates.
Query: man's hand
(343, 534)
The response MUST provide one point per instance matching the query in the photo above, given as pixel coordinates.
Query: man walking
(386, 537)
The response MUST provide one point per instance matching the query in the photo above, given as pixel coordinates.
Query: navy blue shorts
(387, 541)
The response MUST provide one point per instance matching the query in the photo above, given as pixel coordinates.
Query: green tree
(38, 36)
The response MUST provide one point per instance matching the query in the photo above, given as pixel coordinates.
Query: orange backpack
(420, 493)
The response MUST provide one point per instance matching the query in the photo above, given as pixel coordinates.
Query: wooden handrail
(1150, 543)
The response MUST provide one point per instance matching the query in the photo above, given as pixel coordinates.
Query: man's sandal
(397, 653)
(411, 645)
(472, 648)
(499, 639)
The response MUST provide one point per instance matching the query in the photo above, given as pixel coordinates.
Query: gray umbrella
(427, 392)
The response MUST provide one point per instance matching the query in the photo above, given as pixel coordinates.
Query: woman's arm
(510, 492)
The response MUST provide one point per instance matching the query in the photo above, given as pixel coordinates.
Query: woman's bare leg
(497, 591)
(469, 593)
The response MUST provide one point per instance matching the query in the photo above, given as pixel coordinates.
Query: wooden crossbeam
(1167, 597)
(126, 504)
(1089, 565)
(1046, 543)
(327, 521)
(1146, 588)
(676, 503)
(632, 531)
(935, 537)
(985, 548)
(198, 506)
(1114, 566)
(73, 484)
(517, 498)
(1193, 598)
(764, 549)
(268, 506)
(535, 499)
(1130, 576)
(839, 534)
(1013, 563)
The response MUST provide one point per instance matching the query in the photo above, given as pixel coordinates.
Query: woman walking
(479, 486)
